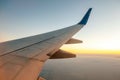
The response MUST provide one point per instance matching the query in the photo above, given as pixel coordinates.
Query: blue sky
(21, 18)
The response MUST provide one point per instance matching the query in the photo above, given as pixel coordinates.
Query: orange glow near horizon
(90, 51)
(3, 37)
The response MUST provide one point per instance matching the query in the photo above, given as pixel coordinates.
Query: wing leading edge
(27, 55)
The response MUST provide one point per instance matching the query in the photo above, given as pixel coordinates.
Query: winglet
(85, 18)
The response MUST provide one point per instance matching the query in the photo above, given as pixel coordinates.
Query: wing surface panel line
(26, 46)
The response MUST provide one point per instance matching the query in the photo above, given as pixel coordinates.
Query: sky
(22, 18)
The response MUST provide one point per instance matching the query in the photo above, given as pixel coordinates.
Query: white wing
(22, 59)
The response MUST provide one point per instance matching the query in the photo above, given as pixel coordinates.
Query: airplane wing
(22, 59)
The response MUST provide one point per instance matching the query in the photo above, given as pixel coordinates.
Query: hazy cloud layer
(83, 68)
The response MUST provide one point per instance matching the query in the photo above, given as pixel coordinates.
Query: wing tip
(85, 18)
